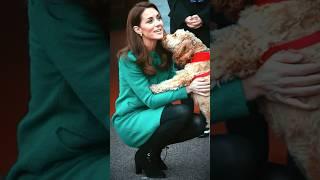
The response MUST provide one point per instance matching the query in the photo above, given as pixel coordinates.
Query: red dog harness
(201, 57)
(295, 44)
(299, 43)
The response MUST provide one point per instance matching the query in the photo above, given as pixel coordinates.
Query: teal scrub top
(138, 110)
(65, 134)
(228, 102)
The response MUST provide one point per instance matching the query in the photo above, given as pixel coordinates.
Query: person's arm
(228, 102)
(285, 77)
(77, 46)
(139, 83)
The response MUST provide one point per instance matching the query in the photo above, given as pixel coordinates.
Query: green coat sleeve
(77, 47)
(139, 83)
(65, 133)
(228, 102)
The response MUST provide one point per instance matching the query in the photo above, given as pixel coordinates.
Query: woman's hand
(199, 86)
(284, 77)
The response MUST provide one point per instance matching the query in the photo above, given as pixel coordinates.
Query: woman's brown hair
(136, 46)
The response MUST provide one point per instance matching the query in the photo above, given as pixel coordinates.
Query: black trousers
(178, 123)
(243, 153)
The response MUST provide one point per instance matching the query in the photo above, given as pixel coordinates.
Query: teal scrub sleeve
(228, 102)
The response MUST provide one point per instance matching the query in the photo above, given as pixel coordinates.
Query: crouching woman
(142, 119)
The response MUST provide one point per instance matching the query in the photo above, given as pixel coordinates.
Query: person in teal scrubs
(142, 119)
(65, 133)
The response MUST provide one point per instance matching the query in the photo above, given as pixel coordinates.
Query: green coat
(228, 102)
(65, 134)
(138, 110)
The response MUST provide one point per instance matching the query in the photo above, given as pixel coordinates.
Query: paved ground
(186, 161)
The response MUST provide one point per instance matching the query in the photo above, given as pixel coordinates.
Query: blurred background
(14, 77)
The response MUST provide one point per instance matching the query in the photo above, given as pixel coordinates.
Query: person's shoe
(205, 133)
(147, 161)
(161, 163)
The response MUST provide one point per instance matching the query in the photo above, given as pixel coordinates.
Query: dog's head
(183, 44)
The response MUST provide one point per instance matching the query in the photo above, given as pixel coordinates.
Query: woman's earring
(140, 34)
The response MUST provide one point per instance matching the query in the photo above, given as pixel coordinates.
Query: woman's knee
(179, 112)
(198, 123)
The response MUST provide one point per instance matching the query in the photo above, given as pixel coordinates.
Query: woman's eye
(150, 21)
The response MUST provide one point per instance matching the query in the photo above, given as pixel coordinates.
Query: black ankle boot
(161, 164)
(146, 161)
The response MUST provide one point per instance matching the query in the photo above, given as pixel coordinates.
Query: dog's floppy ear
(184, 52)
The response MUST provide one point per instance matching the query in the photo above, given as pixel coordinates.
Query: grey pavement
(189, 160)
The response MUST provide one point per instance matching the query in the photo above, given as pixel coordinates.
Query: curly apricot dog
(189, 52)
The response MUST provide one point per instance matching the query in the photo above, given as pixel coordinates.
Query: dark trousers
(243, 153)
(177, 124)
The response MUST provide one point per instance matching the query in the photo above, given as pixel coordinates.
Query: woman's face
(151, 26)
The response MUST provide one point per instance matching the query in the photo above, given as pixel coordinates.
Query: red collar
(263, 2)
(200, 57)
(294, 44)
